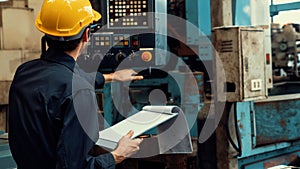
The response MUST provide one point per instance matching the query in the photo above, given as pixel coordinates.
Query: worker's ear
(86, 35)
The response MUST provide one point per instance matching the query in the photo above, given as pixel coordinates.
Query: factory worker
(52, 105)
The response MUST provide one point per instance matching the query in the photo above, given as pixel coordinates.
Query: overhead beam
(275, 9)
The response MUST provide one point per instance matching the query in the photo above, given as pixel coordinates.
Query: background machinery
(235, 75)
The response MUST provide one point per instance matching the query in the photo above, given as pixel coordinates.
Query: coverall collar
(59, 57)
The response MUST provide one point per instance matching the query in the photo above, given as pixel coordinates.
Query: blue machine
(264, 133)
(252, 134)
(269, 132)
(146, 45)
(6, 160)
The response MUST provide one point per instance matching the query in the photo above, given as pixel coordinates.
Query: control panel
(127, 36)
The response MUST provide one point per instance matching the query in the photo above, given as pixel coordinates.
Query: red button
(146, 56)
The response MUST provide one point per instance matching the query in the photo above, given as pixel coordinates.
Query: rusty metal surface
(222, 13)
(277, 121)
(280, 160)
(253, 63)
(225, 152)
(244, 67)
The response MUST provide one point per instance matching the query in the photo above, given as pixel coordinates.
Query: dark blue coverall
(53, 115)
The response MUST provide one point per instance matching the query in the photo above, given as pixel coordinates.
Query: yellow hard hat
(65, 18)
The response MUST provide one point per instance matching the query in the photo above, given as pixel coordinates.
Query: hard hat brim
(97, 15)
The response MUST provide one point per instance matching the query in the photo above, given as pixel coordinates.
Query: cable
(237, 132)
(238, 146)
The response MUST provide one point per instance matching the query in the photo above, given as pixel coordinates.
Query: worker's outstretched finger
(137, 77)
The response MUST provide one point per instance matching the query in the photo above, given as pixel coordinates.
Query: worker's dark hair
(64, 46)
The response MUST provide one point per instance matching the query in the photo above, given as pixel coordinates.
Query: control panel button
(146, 56)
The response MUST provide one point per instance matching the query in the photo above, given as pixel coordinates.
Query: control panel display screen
(129, 14)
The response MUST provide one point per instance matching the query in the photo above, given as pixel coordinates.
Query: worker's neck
(76, 52)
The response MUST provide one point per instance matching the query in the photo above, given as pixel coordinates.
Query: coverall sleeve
(80, 132)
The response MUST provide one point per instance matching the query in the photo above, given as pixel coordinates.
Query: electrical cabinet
(240, 63)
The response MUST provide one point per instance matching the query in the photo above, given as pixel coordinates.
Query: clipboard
(144, 120)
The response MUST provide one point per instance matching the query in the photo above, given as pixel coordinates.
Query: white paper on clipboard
(146, 119)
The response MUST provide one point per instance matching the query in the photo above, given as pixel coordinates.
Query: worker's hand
(122, 76)
(126, 147)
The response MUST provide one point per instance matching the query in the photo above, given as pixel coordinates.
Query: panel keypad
(128, 13)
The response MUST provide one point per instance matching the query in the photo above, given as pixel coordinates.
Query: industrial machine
(134, 35)
(259, 120)
(237, 87)
(286, 43)
(235, 75)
